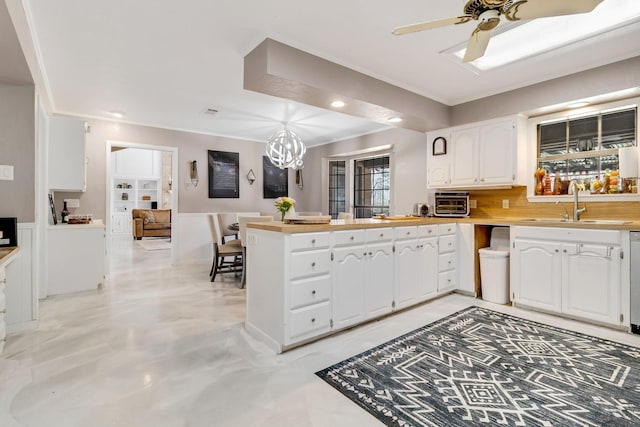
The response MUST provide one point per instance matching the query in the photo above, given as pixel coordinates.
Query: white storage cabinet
(67, 155)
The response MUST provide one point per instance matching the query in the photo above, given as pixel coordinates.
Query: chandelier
(285, 149)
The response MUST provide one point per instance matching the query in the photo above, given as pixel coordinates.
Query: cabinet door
(427, 268)
(496, 153)
(407, 275)
(536, 279)
(378, 293)
(591, 281)
(66, 162)
(438, 166)
(348, 286)
(465, 163)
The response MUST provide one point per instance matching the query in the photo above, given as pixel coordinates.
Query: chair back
(225, 219)
(309, 213)
(213, 228)
(345, 215)
(243, 220)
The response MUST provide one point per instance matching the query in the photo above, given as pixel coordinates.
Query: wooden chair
(224, 220)
(275, 215)
(243, 220)
(345, 215)
(221, 253)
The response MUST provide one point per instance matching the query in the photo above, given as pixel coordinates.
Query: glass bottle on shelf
(65, 214)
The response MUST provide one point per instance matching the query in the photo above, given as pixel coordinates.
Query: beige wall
(409, 179)
(597, 81)
(17, 148)
(190, 146)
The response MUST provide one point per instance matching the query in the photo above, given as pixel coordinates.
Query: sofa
(151, 223)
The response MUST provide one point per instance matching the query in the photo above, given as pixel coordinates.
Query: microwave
(451, 204)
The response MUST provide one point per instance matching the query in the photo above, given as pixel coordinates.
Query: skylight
(545, 34)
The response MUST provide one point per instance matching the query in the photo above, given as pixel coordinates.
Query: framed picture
(439, 146)
(224, 181)
(275, 180)
(53, 210)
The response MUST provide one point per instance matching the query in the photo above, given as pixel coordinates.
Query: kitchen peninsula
(309, 281)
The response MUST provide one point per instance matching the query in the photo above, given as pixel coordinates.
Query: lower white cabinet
(121, 223)
(3, 306)
(76, 258)
(447, 273)
(348, 286)
(378, 289)
(569, 271)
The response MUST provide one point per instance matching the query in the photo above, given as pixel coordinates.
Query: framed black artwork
(275, 180)
(224, 181)
(439, 146)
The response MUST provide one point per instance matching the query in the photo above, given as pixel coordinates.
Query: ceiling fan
(488, 13)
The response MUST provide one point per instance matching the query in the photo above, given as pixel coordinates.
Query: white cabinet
(308, 305)
(66, 155)
(447, 272)
(483, 154)
(3, 306)
(416, 265)
(137, 162)
(378, 289)
(348, 285)
(570, 271)
(121, 223)
(536, 279)
(591, 281)
(76, 258)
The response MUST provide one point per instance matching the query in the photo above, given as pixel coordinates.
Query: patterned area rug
(482, 368)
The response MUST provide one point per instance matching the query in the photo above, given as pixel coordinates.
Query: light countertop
(408, 221)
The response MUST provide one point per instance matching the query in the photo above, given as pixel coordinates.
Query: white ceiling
(163, 62)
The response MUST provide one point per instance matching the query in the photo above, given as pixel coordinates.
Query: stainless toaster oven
(452, 204)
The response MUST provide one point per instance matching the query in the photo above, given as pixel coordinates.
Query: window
(337, 187)
(371, 187)
(586, 149)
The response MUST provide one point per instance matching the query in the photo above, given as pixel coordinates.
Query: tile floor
(162, 346)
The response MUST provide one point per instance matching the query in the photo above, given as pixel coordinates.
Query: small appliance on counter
(421, 210)
(451, 204)
(8, 232)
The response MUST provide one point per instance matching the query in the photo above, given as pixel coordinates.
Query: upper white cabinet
(137, 163)
(482, 154)
(66, 154)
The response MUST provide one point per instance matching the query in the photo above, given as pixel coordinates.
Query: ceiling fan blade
(422, 26)
(531, 9)
(477, 45)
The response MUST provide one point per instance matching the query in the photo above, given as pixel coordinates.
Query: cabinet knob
(313, 242)
(557, 250)
(381, 234)
(351, 238)
(564, 250)
(370, 253)
(408, 233)
(449, 263)
(313, 264)
(429, 231)
(313, 292)
(313, 319)
(481, 179)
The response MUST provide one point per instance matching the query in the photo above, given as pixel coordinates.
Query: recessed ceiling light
(395, 119)
(117, 114)
(545, 34)
(337, 104)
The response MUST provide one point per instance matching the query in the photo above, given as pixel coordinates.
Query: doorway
(141, 177)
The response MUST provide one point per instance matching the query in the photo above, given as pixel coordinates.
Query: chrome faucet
(576, 212)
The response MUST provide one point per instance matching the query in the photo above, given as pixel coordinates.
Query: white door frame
(174, 193)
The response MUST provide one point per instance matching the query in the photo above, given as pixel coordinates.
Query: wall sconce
(251, 176)
(193, 173)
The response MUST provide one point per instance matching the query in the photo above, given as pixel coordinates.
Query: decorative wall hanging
(439, 146)
(224, 182)
(275, 180)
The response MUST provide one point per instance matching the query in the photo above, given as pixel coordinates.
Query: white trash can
(494, 267)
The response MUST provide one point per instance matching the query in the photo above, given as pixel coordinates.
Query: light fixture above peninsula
(285, 149)
(338, 104)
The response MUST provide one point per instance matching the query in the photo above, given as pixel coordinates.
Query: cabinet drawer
(405, 233)
(310, 291)
(427, 230)
(447, 280)
(447, 261)
(3, 302)
(447, 243)
(379, 234)
(309, 321)
(348, 237)
(310, 263)
(302, 241)
(446, 229)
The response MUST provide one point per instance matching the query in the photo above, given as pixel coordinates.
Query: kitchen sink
(582, 221)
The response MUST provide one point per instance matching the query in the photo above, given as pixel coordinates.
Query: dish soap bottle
(65, 214)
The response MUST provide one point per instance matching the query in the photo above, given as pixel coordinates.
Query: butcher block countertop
(350, 224)
(8, 254)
